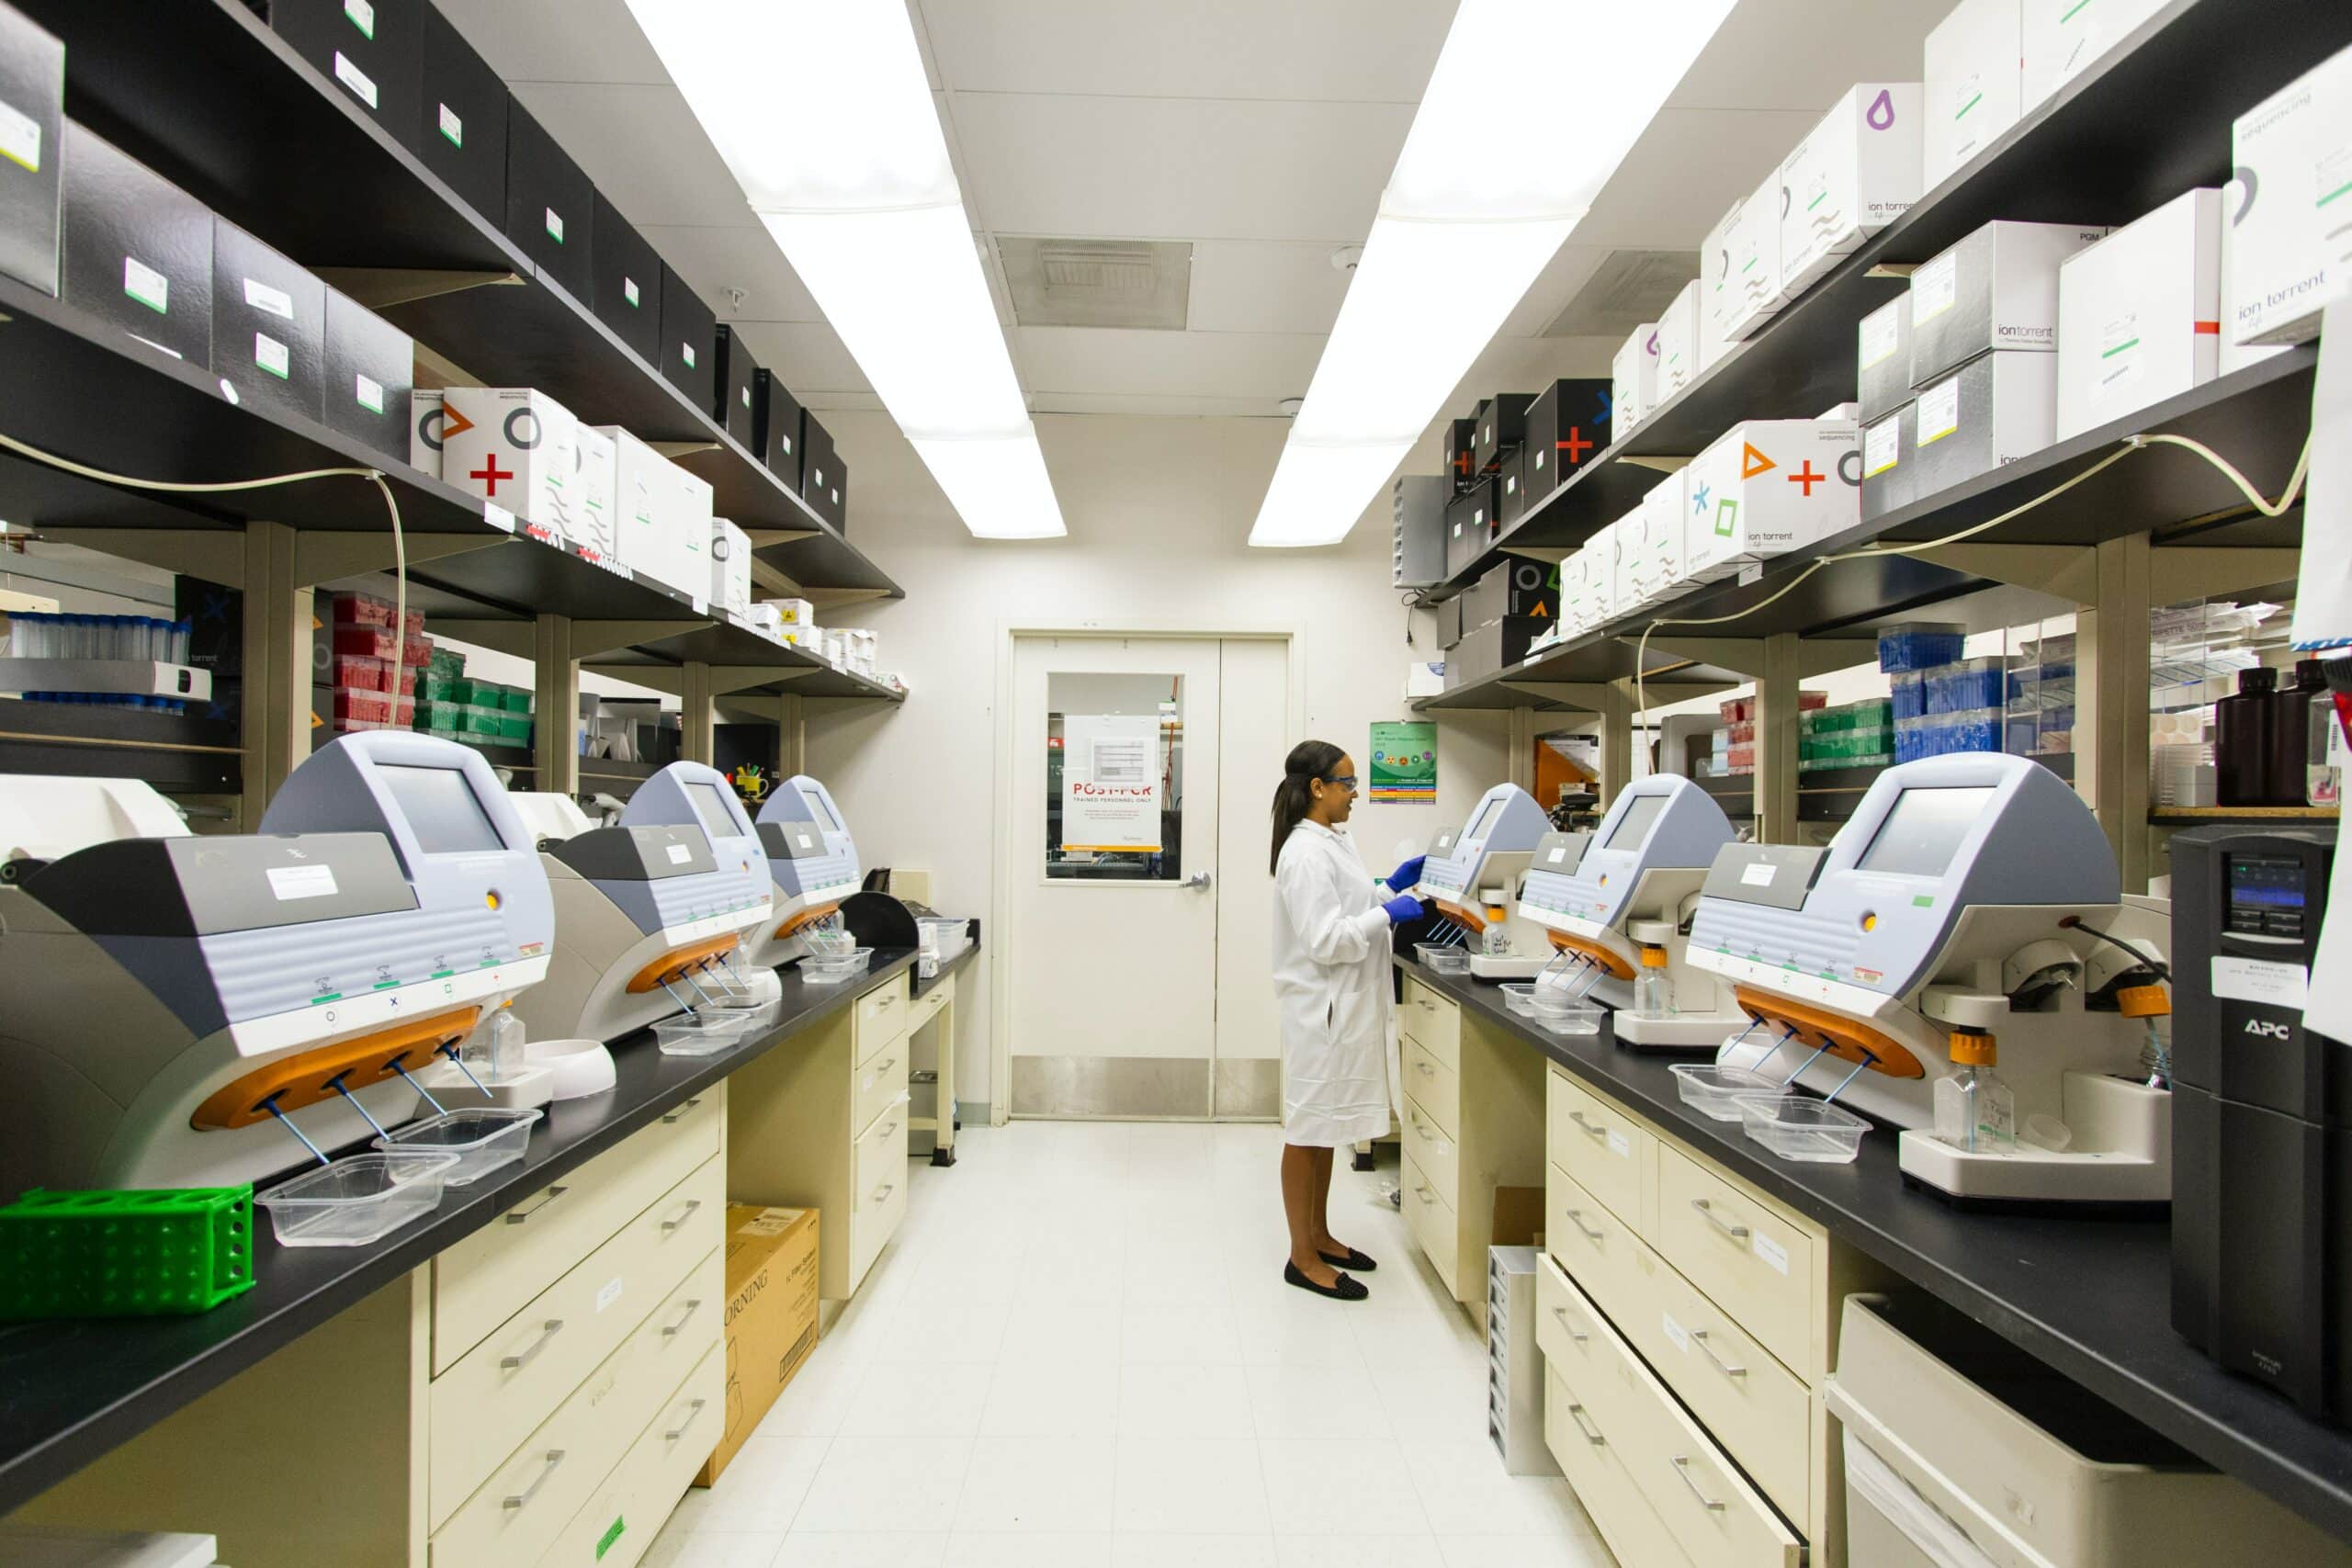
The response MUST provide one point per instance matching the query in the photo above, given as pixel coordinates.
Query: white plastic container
(1520, 997)
(1563, 1016)
(701, 1033)
(1811, 1132)
(577, 1069)
(483, 1138)
(819, 969)
(356, 1199)
(1717, 1091)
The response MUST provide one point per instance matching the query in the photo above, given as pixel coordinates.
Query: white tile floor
(1078, 1353)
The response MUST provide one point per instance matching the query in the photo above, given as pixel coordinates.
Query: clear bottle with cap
(2241, 748)
(1653, 986)
(1975, 1109)
(2290, 728)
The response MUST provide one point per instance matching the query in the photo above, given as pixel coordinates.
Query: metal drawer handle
(1590, 1128)
(1737, 1232)
(671, 1331)
(548, 1331)
(1726, 1368)
(886, 998)
(675, 1117)
(1591, 1432)
(522, 1499)
(1423, 1194)
(1562, 1314)
(681, 1216)
(516, 1216)
(1682, 1469)
(890, 1129)
(1427, 1071)
(886, 1066)
(1575, 1218)
(692, 1411)
(883, 1192)
(1425, 1004)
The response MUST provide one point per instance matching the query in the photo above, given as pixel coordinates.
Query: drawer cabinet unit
(1473, 1121)
(1432, 1017)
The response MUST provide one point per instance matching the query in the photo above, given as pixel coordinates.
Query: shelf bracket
(676, 449)
(1550, 554)
(1658, 465)
(1588, 696)
(589, 639)
(217, 555)
(2065, 571)
(378, 287)
(555, 687)
(2111, 659)
(696, 714)
(328, 558)
(2200, 571)
(1816, 656)
(662, 678)
(762, 537)
(1616, 739)
(518, 639)
(836, 598)
(1776, 739)
(726, 679)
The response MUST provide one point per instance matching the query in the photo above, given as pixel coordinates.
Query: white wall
(1159, 512)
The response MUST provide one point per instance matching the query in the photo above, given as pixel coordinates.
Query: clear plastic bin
(1813, 1132)
(1715, 1091)
(1442, 958)
(1568, 1017)
(832, 969)
(700, 1033)
(829, 944)
(1520, 997)
(359, 1199)
(483, 1138)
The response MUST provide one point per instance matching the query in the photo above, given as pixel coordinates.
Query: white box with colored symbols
(1854, 174)
(2139, 313)
(1766, 487)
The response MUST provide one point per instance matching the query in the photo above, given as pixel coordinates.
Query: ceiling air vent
(1097, 283)
(1631, 288)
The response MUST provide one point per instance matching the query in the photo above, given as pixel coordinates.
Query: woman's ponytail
(1308, 761)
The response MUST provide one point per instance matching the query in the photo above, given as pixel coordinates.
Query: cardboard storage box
(461, 118)
(426, 421)
(551, 205)
(776, 428)
(1496, 646)
(1768, 486)
(1515, 587)
(269, 324)
(1854, 174)
(819, 468)
(33, 143)
(1460, 436)
(2139, 314)
(734, 374)
(658, 510)
(138, 249)
(1685, 345)
(1993, 411)
(1594, 588)
(2289, 150)
(1449, 622)
(520, 449)
(598, 508)
(1975, 87)
(689, 334)
(1741, 264)
(1511, 503)
(1470, 525)
(1995, 289)
(1633, 381)
(1501, 425)
(1882, 358)
(372, 367)
(771, 1316)
(2062, 37)
(625, 278)
(1890, 461)
(372, 49)
(730, 569)
(2233, 354)
(688, 526)
(1567, 424)
(1649, 547)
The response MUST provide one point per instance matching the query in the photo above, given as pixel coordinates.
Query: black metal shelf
(183, 754)
(203, 92)
(2148, 121)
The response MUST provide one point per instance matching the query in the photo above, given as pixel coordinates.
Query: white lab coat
(1331, 982)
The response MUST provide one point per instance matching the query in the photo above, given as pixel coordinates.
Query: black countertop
(71, 1390)
(2090, 1296)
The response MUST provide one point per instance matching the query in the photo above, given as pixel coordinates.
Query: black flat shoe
(1344, 1289)
(1350, 1259)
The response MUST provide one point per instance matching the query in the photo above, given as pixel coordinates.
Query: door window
(1114, 777)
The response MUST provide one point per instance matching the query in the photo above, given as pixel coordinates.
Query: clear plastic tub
(703, 1034)
(828, 944)
(1575, 1017)
(483, 1138)
(359, 1199)
(820, 969)
(1812, 1132)
(1442, 958)
(1717, 1091)
(1520, 997)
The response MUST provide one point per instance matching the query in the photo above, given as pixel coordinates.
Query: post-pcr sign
(1111, 778)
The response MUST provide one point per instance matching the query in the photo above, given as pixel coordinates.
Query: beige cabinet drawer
(1437, 1085)
(872, 1224)
(881, 1158)
(1743, 1254)
(1567, 1325)
(1437, 1154)
(485, 1278)
(1598, 1144)
(1434, 1021)
(627, 1511)
(881, 1017)
(876, 1085)
(1429, 1217)
(1591, 1244)
(1581, 1445)
(491, 1399)
(927, 1006)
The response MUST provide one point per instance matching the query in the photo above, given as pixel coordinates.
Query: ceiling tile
(807, 354)
(714, 261)
(1801, 54)
(1570, 269)
(1263, 365)
(1164, 168)
(1258, 286)
(644, 148)
(1685, 172)
(558, 40)
(1374, 51)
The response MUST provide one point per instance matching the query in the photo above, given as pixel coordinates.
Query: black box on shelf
(688, 335)
(461, 119)
(1517, 589)
(371, 370)
(138, 249)
(32, 146)
(835, 507)
(627, 283)
(816, 462)
(1502, 426)
(1458, 437)
(1512, 502)
(1483, 650)
(372, 49)
(1449, 622)
(736, 375)
(550, 204)
(1567, 424)
(216, 623)
(776, 428)
(269, 324)
(1470, 524)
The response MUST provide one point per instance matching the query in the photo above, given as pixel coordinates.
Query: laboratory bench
(392, 1329)
(2088, 1295)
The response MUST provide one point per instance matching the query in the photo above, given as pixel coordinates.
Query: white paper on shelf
(2324, 580)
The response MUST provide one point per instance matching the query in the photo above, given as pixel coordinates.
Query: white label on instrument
(1774, 1254)
(370, 393)
(628, 290)
(292, 882)
(686, 352)
(680, 854)
(555, 225)
(610, 1294)
(1559, 853)
(272, 357)
(1760, 874)
(1620, 1144)
(1935, 287)
(359, 80)
(1881, 336)
(452, 127)
(1938, 412)
(20, 137)
(747, 397)
(1883, 446)
(275, 301)
(1676, 1332)
(497, 516)
(362, 14)
(2266, 984)
(147, 286)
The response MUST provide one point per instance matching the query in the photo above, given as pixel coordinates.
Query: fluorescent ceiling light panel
(823, 112)
(1469, 219)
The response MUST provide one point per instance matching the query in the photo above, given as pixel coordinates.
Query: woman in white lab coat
(1331, 982)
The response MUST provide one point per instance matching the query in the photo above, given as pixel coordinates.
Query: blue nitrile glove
(1407, 876)
(1402, 910)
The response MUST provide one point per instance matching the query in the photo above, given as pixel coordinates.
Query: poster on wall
(1404, 764)
(1111, 782)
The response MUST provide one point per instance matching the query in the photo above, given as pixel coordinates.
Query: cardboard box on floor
(771, 1316)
